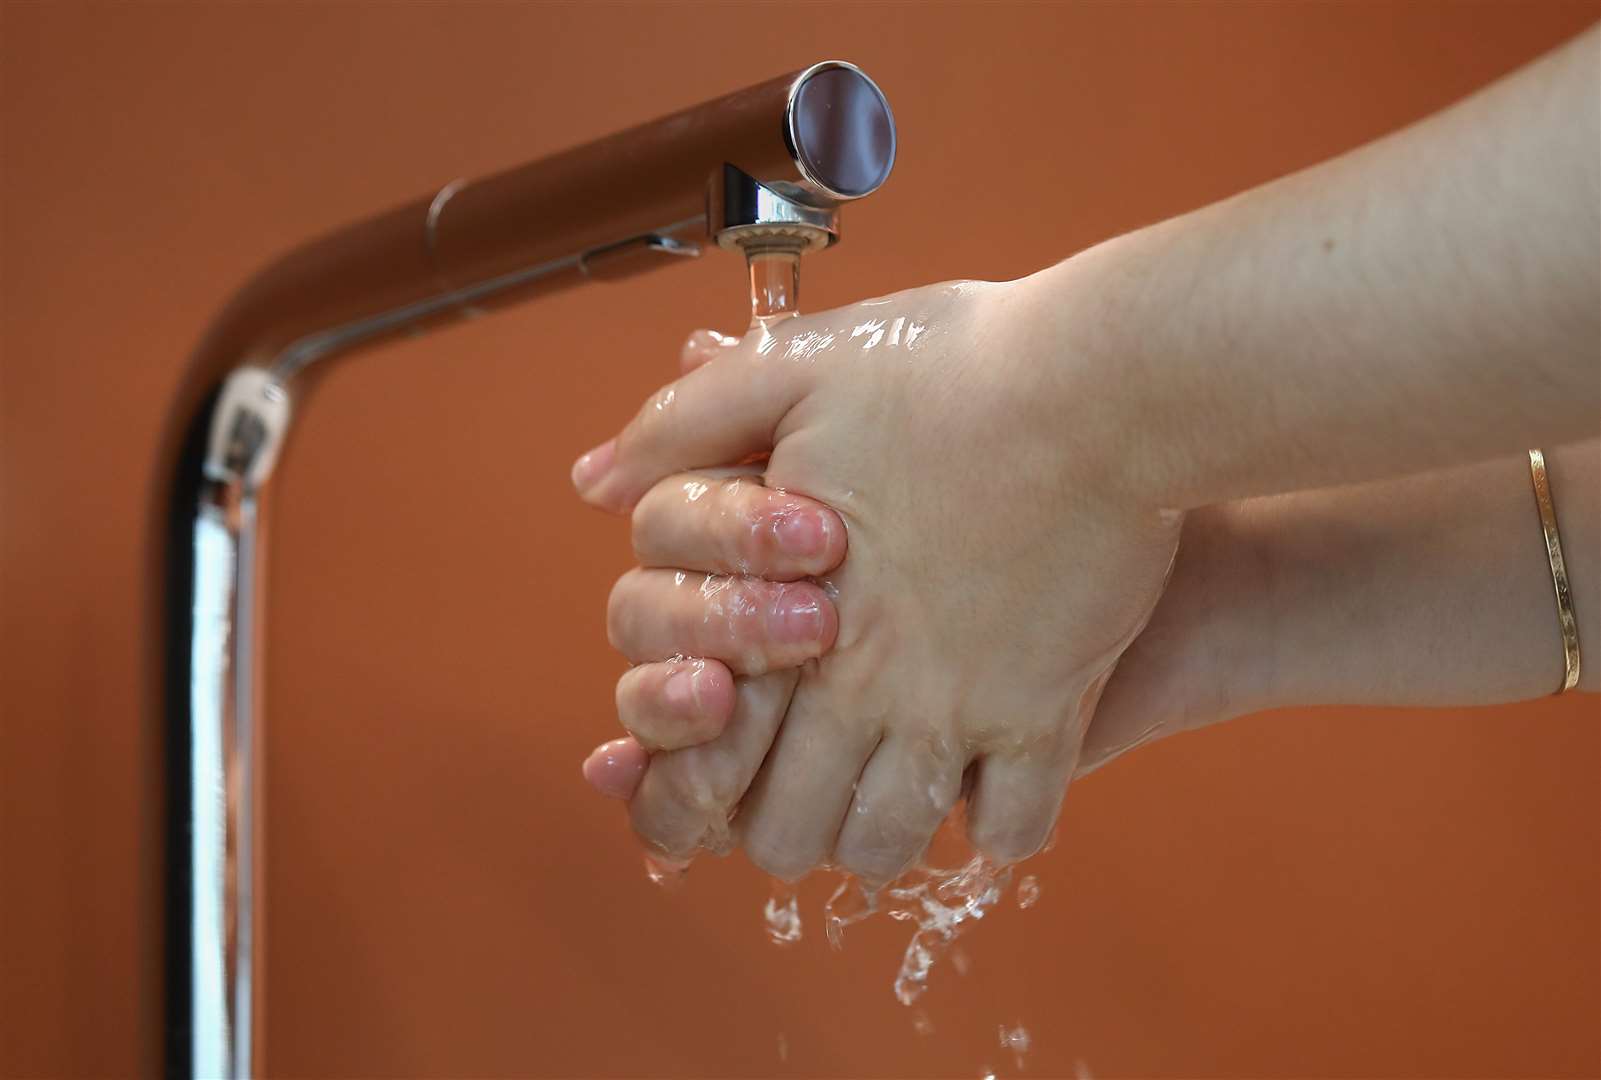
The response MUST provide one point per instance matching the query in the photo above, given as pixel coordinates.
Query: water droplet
(1016, 1039)
(783, 1047)
(941, 904)
(668, 875)
(849, 904)
(782, 915)
(922, 1024)
(1028, 891)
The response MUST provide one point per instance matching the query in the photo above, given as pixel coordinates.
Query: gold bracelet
(1559, 572)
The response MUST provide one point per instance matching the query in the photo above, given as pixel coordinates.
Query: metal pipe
(775, 159)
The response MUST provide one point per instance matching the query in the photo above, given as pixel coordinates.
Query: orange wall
(1317, 893)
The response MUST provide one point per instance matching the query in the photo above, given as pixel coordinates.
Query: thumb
(720, 413)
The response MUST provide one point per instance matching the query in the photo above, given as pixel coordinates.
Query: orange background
(1330, 892)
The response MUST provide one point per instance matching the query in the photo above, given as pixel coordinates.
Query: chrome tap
(769, 165)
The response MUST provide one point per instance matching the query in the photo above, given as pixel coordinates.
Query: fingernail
(614, 768)
(589, 469)
(801, 535)
(796, 617)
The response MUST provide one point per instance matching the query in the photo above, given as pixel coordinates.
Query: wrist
(1102, 310)
(1207, 653)
(1225, 590)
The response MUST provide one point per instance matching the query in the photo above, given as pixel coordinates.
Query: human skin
(1424, 591)
(1424, 302)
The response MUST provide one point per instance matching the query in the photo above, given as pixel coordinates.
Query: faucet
(763, 169)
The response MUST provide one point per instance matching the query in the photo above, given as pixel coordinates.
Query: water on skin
(940, 903)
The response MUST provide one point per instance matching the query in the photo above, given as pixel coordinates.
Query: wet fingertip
(614, 769)
(714, 694)
(802, 614)
(802, 535)
(835, 538)
(1001, 845)
(591, 468)
(828, 621)
(700, 346)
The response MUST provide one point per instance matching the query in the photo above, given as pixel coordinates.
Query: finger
(686, 797)
(693, 521)
(904, 794)
(615, 768)
(793, 812)
(753, 626)
(719, 413)
(1015, 801)
(677, 703)
(701, 346)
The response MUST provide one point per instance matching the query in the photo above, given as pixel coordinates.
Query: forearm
(1433, 590)
(1430, 590)
(1426, 301)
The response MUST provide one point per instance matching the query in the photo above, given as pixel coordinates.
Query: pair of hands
(843, 703)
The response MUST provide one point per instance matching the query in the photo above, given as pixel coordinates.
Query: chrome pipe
(778, 158)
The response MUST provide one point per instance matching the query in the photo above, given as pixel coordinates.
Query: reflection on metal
(214, 897)
(782, 155)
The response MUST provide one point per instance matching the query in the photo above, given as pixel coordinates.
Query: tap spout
(784, 155)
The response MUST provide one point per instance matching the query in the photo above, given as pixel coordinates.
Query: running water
(774, 284)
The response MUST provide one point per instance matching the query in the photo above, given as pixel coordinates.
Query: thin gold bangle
(1559, 572)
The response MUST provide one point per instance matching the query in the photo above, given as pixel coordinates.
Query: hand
(702, 606)
(996, 570)
(1197, 662)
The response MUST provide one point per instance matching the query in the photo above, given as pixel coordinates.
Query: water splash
(1028, 891)
(940, 903)
(782, 915)
(1016, 1039)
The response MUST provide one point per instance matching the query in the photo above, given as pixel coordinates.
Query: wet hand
(996, 570)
